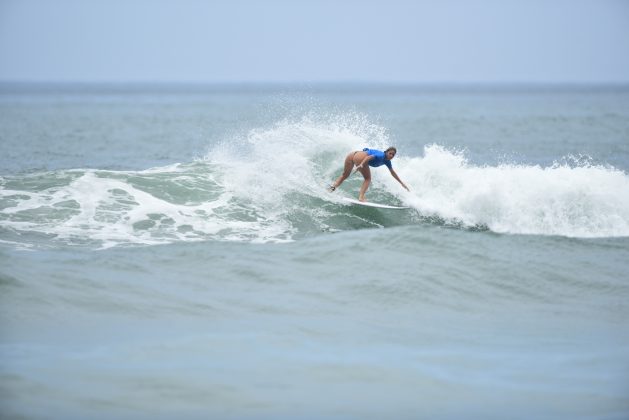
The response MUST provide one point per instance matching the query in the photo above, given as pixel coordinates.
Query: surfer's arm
(398, 179)
(365, 160)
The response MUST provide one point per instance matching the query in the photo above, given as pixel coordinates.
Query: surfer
(360, 159)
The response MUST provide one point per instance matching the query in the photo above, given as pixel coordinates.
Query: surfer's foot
(361, 199)
(331, 188)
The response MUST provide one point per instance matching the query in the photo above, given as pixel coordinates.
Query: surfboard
(369, 204)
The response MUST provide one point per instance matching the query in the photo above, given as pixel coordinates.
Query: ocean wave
(269, 185)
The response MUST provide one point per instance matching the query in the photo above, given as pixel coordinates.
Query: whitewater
(269, 185)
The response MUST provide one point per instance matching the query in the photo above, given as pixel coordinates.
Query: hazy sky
(309, 41)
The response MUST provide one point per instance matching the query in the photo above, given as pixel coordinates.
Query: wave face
(268, 185)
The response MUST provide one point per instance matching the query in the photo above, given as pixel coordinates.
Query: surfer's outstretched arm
(398, 179)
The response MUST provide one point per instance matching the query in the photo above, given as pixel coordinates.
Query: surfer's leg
(347, 170)
(363, 188)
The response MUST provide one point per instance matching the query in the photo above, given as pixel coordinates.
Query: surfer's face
(390, 154)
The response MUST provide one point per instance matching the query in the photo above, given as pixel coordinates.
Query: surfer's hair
(391, 148)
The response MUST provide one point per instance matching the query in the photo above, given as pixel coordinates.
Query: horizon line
(313, 81)
(40, 86)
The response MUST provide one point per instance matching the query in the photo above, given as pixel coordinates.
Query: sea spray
(574, 200)
(293, 155)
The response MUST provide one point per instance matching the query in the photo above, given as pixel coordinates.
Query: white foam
(107, 210)
(581, 201)
(255, 176)
(255, 179)
(292, 156)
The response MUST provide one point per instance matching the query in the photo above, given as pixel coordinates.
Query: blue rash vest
(379, 158)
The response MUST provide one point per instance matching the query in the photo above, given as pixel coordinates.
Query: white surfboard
(369, 204)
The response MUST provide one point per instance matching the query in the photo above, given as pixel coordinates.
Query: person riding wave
(373, 158)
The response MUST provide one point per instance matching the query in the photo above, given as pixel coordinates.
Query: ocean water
(172, 251)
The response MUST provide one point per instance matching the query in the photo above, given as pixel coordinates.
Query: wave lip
(587, 201)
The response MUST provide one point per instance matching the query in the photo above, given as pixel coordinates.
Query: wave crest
(574, 198)
(269, 185)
